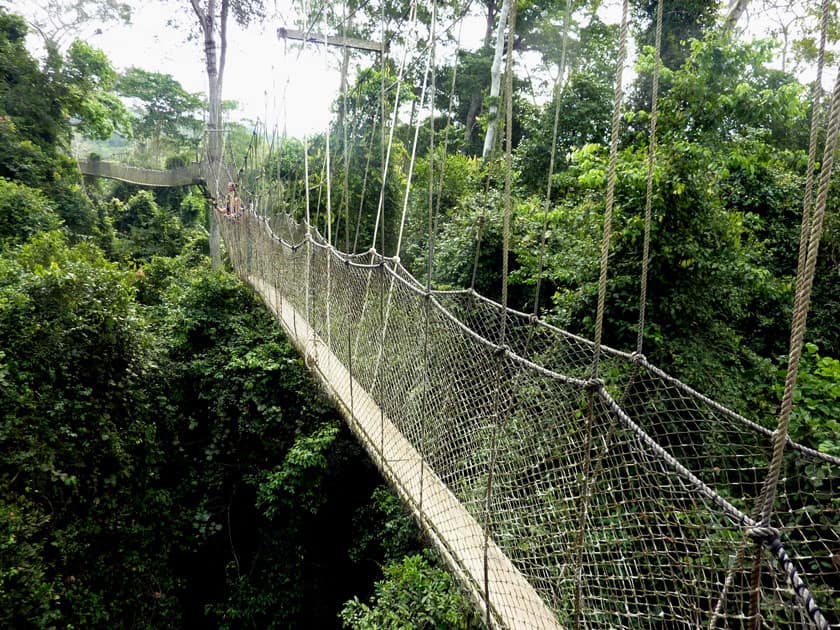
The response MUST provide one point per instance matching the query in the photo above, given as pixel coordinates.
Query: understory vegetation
(165, 458)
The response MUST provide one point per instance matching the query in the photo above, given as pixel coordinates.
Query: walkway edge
(513, 601)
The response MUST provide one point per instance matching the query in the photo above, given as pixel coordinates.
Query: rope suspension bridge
(564, 482)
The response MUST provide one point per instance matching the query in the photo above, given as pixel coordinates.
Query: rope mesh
(666, 541)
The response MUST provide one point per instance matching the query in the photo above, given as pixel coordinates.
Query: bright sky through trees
(272, 81)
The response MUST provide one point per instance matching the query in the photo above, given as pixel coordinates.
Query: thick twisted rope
(802, 300)
(651, 162)
(500, 354)
(611, 177)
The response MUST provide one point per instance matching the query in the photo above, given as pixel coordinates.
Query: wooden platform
(457, 535)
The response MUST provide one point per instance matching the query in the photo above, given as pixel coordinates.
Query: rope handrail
(440, 303)
(591, 488)
(405, 278)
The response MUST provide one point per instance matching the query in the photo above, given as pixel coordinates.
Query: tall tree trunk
(214, 59)
(496, 82)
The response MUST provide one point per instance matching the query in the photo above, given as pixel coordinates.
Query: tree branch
(199, 12)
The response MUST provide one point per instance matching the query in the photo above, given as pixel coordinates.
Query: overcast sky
(260, 69)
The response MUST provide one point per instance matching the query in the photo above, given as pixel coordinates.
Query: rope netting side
(660, 538)
(619, 502)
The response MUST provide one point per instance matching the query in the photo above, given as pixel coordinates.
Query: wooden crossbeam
(333, 40)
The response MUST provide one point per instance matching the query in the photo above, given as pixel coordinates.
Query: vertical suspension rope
(364, 187)
(328, 251)
(651, 162)
(308, 300)
(345, 62)
(327, 161)
(500, 354)
(557, 93)
(386, 149)
(809, 234)
(414, 148)
(809, 240)
(450, 107)
(427, 302)
(605, 242)
(586, 490)
(306, 155)
(802, 299)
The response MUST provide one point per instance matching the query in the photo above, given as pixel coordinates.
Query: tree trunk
(496, 82)
(472, 114)
(491, 17)
(734, 13)
(214, 63)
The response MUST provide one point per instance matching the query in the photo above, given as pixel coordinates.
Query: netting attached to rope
(622, 502)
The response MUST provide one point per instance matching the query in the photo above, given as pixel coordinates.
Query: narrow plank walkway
(513, 601)
(184, 176)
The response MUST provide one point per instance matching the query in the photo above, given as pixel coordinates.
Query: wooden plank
(513, 601)
(332, 40)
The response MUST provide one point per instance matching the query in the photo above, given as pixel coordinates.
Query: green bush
(24, 212)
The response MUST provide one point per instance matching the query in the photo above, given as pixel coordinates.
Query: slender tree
(212, 16)
(495, 80)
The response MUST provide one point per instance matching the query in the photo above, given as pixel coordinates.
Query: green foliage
(168, 117)
(815, 421)
(35, 106)
(296, 482)
(413, 594)
(585, 104)
(78, 442)
(193, 209)
(88, 78)
(386, 530)
(24, 212)
(27, 593)
(25, 111)
(145, 229)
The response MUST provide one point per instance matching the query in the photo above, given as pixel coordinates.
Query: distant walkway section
(183, 176)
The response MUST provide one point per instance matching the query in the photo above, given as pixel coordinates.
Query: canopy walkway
(182, 176)
(557, 499)
(565, 483)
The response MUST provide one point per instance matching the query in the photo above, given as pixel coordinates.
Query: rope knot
(594, 384)
(638, 358)
(501, 350)
(533, 319)
(763, 534)
(396, 259)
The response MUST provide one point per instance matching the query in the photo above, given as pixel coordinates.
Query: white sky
(256, 74)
